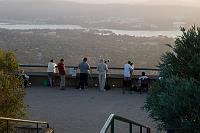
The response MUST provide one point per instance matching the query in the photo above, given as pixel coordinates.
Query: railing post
(130, 128)
(37, 128)
(7, 126)
(112, 126)
(148, 130)
(140, 129)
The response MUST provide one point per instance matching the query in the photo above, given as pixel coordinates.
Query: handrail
(24, 121)
(114, 68)
(21, 120)
(110, 122)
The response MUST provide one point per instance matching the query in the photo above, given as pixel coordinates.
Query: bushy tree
(8, 62)
(174, 102)
(11, 88)
(184, 60)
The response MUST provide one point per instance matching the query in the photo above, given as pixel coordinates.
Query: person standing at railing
(62, 73)
(128, 70)
(51, 70)
(84, 71)
(102, 68)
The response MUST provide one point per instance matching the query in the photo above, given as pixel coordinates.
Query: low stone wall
(114, 80)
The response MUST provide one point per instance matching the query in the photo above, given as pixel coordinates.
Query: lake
(137, 33)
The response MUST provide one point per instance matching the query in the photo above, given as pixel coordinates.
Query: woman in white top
(51, 70)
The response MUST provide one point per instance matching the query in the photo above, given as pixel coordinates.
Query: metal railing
(37, 123)
(111, 122)
(113, 68)
(114, 71)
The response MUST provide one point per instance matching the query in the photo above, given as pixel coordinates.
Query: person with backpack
(102, 68)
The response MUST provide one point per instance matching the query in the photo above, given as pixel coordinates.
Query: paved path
(75, 111)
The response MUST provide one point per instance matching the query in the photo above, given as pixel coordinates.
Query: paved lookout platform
(75, 111)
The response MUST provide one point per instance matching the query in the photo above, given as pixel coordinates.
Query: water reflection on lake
(137, 33)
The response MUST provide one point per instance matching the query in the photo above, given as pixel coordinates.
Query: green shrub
(8, 61)
(174, 100)
(11, 88)
(174, 104)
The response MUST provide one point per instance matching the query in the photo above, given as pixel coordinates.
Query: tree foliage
(174, 100)
(184, 60)
(11, 88)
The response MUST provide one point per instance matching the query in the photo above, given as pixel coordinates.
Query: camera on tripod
(107, 61)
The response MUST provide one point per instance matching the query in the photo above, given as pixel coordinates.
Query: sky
(171, 2)
(154, 2)
(110, 1)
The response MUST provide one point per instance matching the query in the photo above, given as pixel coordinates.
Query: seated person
(144, 82)
(24, 77)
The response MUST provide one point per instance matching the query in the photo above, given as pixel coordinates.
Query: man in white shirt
(128, 70)
(51, 70)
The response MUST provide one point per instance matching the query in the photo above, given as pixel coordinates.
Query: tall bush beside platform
(11, 88)
(174, 102)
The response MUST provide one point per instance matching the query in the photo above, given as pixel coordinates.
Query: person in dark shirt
(84, 70)
(62, 73)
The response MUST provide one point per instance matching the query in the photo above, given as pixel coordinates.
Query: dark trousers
(127, 84)
(83, 80)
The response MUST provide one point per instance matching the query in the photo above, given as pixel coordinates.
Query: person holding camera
(102, 68)
(128, 70)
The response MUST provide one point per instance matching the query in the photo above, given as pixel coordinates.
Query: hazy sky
(110, 1)
(179, 2)
(165, 2)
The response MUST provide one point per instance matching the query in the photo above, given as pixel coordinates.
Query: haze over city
(119, 21)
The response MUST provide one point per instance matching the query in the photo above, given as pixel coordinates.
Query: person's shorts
(51, 75)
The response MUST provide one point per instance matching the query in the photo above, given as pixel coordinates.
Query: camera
(107, 61)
